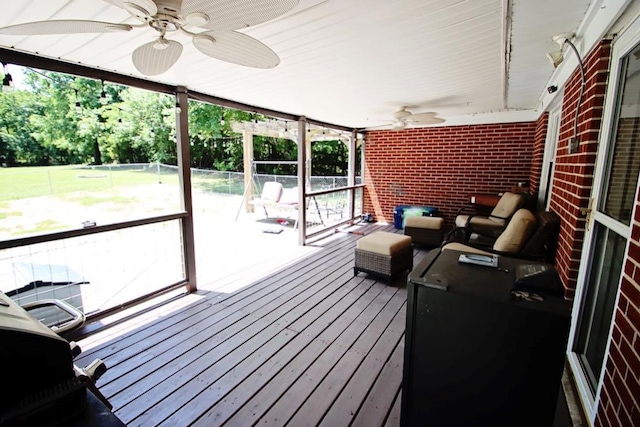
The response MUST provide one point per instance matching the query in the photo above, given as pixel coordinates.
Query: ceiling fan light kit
(219, 17)
(161, 43)
(197, 19)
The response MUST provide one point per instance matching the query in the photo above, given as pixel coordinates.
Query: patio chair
(471, 219)
(527, 236)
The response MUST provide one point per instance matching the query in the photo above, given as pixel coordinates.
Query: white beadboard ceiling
(348, 62)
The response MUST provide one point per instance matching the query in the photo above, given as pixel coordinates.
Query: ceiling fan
(220, 19)
(402, 117)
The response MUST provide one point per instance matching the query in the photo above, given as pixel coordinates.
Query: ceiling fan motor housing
(401, 114)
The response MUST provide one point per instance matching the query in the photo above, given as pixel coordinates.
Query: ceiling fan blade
(425, 119)
(151, 61)
(399, 125)
(137, 8)
(427, 115)
(69, 26)
(237, 48)
(234, 14)
(431, 121)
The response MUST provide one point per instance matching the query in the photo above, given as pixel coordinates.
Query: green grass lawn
(26, 182)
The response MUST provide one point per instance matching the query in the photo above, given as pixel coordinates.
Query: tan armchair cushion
(522, 225)
(481, 222)
(507, 205)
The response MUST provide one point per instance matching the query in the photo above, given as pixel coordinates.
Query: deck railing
(133, 254)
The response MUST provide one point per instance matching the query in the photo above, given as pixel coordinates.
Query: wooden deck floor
(308, 345)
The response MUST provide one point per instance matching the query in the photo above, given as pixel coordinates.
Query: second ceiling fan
(402, 117)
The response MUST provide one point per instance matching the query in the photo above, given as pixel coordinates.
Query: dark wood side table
(475, 355)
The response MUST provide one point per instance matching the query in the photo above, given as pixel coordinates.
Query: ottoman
(424, 230)
(383, 254)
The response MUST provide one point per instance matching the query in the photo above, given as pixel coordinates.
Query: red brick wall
(442, 166)
(573, 177)
(538, 153)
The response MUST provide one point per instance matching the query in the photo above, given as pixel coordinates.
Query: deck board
(352, 396)
(326, 393)
(309, 344)
(292, 366)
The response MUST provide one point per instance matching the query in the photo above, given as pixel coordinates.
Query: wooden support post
(302, 180)
(184, 174)
(351, 173)
(247, 149)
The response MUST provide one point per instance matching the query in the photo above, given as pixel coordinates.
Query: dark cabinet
(475, 354)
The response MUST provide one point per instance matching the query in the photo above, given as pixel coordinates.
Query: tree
(140, 128)
(330, 158)
(17, 145)
(63, 119)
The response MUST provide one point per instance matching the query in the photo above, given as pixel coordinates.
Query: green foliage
(60, 119)
(17, 145)
(330, 158)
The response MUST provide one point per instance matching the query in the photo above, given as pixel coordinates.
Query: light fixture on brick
(556, 58)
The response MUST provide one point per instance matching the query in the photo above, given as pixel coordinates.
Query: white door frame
(550, 153)
(620, 48)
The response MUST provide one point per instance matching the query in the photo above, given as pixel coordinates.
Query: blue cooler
(402, 211)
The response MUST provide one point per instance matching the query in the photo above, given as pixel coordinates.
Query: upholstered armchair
(470, 220)
(529, 236)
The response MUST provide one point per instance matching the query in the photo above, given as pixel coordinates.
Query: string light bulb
(78, 106)
(7, 80)
(103, 94)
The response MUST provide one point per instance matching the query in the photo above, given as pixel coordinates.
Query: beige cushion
(289, 196)
(479, 221)
(429, 222)
(271, 191)
(384, 243)
(456, 246)
(506, 206)
(522, 225)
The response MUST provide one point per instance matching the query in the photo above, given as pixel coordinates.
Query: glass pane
(599, 301)
(95, 272)
(625, 157)
(80, 152)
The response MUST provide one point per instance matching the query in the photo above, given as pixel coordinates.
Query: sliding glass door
(608, 223)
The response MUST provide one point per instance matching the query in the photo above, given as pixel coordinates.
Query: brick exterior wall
(573, 177)
(538, 153)
(443, 166)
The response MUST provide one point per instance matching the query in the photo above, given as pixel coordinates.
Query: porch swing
(274, 194)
